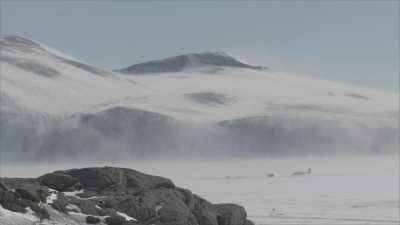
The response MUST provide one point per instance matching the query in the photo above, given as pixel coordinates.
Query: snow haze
(65, 109)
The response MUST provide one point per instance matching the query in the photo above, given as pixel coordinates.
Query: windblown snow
(56, 105)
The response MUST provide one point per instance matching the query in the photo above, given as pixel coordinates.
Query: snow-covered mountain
(209, 62)
(197, 104)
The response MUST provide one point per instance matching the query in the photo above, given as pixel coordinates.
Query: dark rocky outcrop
(115, 196)
(92, 220)
(230, 214)
(18, 195)
(59, 181)
(115, 220)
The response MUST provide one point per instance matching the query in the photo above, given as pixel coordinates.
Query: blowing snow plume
(54, 107)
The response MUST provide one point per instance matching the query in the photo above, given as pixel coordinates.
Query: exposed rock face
(115, 220)
(92, 220)
(113, 196)
(230, 214)
(18, 195)
(179, 63)
(59, 181)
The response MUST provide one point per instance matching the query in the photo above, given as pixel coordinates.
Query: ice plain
(356, 190)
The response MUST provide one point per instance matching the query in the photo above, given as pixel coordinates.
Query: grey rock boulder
(92, 220)
(230, 214)
(109, 192)
(204, 212)
(115, 220)
(59, 181)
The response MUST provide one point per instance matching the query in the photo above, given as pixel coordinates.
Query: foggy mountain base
(122, 134)
(201, 105)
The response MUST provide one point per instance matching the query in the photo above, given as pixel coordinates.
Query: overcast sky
(349, 41)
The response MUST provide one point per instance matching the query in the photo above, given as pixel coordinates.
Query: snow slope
(43, 89)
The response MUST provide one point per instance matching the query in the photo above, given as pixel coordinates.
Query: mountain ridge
(53, 108)
(184, 62)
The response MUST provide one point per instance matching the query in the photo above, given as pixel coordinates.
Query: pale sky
(349, 41)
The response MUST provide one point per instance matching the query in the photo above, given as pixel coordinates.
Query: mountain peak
(19, 40)
(13, 42)
(15, 48)
(212, 60)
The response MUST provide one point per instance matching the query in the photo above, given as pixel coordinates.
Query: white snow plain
(340, 191)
